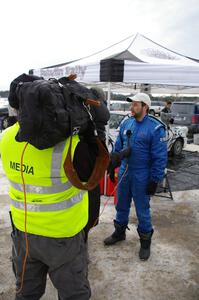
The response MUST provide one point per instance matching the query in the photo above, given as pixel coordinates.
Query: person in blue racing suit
(141, 152)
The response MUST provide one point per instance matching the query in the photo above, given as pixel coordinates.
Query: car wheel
(177, 147)
(5, 123)
(152, 112)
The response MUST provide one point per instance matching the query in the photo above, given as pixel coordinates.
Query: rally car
(176, 135)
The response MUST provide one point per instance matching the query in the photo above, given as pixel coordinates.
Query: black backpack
(50, 110)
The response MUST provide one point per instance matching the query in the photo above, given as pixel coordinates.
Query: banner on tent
(84, 73)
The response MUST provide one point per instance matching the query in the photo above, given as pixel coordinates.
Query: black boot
(145, 243)
(118, 235)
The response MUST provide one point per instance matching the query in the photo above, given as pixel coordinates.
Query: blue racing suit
(146, 163)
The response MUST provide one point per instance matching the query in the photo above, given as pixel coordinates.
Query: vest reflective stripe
(57, 162)
(37, 189)
(38, 207)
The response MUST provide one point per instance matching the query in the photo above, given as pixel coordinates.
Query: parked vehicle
(187, 114)
(176, 135)
(156, 108)
(119, 105)
(3, 116)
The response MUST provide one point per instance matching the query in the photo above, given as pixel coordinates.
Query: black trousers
(64, 259)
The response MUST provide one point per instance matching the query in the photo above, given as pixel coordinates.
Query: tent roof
(135, 59)
(124, 55)
(137, 48)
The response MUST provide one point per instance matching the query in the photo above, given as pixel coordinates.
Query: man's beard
(137, 115)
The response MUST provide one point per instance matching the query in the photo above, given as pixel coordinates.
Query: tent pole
(107, 132)
(108, 106)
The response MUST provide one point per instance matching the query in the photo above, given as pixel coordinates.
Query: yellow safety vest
(55, 208)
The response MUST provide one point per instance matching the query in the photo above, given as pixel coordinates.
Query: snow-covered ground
(172, 271)
(192, 147)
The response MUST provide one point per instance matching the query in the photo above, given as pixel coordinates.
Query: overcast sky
(39, 33)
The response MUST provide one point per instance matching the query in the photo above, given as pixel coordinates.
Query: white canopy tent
(130, 63)
(136, 59)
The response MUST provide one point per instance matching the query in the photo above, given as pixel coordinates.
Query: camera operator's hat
(140, 97)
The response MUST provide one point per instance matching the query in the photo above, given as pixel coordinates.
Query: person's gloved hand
(125, 153)
(152, 187)
(115, 160)
(112, 175)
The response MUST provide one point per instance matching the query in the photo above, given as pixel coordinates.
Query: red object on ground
(115, 197)
(115, 192)
(102, 186)
(111, 187)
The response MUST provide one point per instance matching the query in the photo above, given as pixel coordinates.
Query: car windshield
(115, 120)
(182, 108)
(125, 106)
(157, 103)
(154, 103)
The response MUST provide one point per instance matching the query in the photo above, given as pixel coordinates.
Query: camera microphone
(128, 133)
